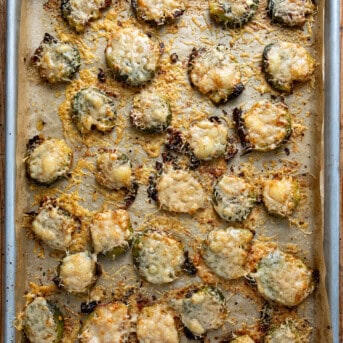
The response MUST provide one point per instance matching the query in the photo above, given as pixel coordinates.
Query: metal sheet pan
(330, 177)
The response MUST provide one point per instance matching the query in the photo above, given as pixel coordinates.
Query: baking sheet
(32, 109)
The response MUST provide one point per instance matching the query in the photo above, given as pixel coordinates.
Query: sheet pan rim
(331, 163)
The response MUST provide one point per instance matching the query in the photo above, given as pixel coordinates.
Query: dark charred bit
(287, 151)
(174, 57)
(178, 13)
(159, 166)
(167, 157)
(214, 119)
(250, 280)
(239, 123)
(231, 149)
(128, 294)
(152, 191)
(192, 57)
(316, 276)
(190, 335)
(265, 317)
(188, 265)
(237, 91)
(131, 195)
(101, 76)
(132, 338)
(161, 45)
(89, 307)
(194, 162)
(48, 38)
(98, 269)
(34, 142)
(57, 281)
(175, 141)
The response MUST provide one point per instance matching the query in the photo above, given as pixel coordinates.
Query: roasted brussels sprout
(233, 198)
(203, 309)
(214, 74)
(158, 12)
(156, 324)
(108, 323)
(42, 322)
(54, 225)
(132, 56)
(179, 191)
(158, 258)
(111, 232)
(289, 331)
(264, 127)
(290, 12)
(233, 13)
(281, 196)
(92, 108)
(285, 63)
(78, 13)
(56, 61)
(283, 278)
(226, 250)
(208, 139)
(114, 170)
(78, 272)
(150, 112)
(47, 159)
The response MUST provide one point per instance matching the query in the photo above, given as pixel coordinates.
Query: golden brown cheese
(282, 278)
(159, 258)
(158, 11)
(132, 56)
(77, 272)
(179, 191)
(208, 139)
(49, 160)
(107, 324)
(281, 196)
(156, 324)
(226, 251)
(109, 230)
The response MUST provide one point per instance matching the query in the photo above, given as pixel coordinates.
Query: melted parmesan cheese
(283, 278)
(291, 12)
(132, 55)
(93, 108)
(208, 140)
(77, 272)
(242, 339)
(231, 11)
(288, 62)
(281, 196)
(49, 161)
(160, 258)
(226, 252)
(39, 323)
(107, 324)
(159, 10)
(109, 230)
(82, 11)
(267, 125)
(179, 191)
(289, 332)
(58, 61)
(214, 71)
(150, 112)
(202, 312)
(234, 198)
(54, 227)
(114, 171)
(156, 324)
